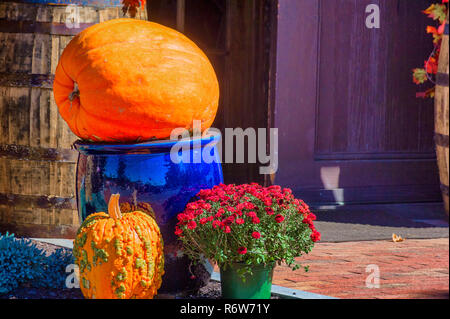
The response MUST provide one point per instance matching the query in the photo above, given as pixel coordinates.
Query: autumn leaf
(427, 94)
(419, 76)
(431, 29)
(396, 238)
(430, 92)
(441, 28)
(431, 65)
(437, 33)
(437, 12)
(130, 6)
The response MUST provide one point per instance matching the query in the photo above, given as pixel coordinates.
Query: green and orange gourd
(120, 256)
(128, 80)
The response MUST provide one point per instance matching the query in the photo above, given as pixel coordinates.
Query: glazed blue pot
(144, 175)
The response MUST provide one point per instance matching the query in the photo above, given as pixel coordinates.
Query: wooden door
(350, 127)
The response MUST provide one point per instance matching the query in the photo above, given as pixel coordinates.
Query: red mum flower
(250, 205)
(192, 206)
(185, 216)
(216, 223)
(213, 198)
(227, 222)
(239, 221)
(315, 236)
(251, 214)
(231, 209)
(192, 224)
(255, 220)
(198, 212)
(219, 213)
(227, 229)
(274, 188)
(178, 231)
(308, 221)
(242, 250)
(269, 211)
(203, 221)
(279, 218)
(256, 235)
(204, 192)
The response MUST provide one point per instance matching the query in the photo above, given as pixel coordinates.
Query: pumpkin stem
(113, 207)
(75, 93)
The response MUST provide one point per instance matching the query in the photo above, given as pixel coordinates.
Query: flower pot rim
(148, 147)
(243, 264)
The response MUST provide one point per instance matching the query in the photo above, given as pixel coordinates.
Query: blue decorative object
(22, 262)
(145, 175)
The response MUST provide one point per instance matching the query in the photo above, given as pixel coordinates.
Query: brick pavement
(413, 269)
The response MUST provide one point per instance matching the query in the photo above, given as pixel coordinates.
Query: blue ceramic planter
(144, 175)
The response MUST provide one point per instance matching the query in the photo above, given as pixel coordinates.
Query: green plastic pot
(256, 286)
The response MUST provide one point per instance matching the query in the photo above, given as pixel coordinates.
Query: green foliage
(22, 262)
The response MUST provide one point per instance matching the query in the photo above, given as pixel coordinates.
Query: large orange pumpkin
(120, 256)
(128, 80)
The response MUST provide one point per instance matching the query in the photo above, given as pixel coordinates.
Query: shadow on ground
(374, 222)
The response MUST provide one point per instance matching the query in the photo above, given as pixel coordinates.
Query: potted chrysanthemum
(246, 229)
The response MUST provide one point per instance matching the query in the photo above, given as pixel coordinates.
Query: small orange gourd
(128, 80)
(120, 256)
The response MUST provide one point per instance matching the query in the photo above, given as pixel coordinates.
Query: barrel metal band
(38, 153)
(441, 139)
(442, 79)
(44, 81)
(53, 28)
(40, 201)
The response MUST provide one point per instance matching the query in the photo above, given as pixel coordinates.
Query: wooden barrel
(37, 164)
(441, 117)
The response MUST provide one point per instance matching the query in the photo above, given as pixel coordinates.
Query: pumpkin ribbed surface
(119, 256)
(130, 80)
